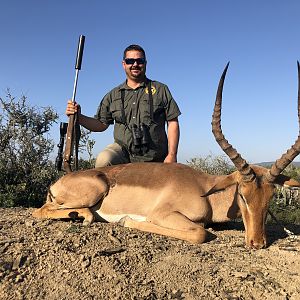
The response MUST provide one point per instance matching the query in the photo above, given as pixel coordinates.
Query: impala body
(173, 199)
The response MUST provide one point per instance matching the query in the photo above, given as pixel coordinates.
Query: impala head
(255, 185)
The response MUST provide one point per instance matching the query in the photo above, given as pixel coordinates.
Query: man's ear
(284, 180)
(222, 184)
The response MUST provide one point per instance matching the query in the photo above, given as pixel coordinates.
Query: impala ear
(286, 181)
(222, 184)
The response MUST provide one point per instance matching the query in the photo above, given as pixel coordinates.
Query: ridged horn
(281, 163)
(241, 165)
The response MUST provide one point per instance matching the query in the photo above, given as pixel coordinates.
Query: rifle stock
(68, 153)
(59, 159)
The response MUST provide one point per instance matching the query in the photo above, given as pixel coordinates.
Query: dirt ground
(52, 259)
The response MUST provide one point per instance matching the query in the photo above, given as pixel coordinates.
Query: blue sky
(188, 43)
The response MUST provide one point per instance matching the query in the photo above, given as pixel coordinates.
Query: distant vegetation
(212, 164)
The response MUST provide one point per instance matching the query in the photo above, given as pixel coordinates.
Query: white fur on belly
(116, 218)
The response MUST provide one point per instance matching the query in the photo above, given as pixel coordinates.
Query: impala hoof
(88, 220)
(37, 213)
(86, 223)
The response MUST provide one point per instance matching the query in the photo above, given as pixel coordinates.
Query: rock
(18, 262)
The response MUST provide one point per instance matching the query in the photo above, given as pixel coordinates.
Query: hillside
(269, 163)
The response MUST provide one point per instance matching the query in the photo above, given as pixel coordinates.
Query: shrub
(215, 165)
(286, 214)
(86, 144)
(25, 146)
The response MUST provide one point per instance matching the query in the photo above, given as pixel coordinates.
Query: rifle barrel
(78, 63)
(79, 52)
(75, 85)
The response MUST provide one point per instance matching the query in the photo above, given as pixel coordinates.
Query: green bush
(215, 165)
(292, 171)
(286, 202)
(25, 168)
(86, 144)
(286, 214)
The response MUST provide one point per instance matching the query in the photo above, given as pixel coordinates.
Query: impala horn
(281, 163)
(241, 165)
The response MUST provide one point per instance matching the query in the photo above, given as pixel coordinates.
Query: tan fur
(167, 199)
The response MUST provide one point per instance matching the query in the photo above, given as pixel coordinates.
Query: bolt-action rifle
(71, 129)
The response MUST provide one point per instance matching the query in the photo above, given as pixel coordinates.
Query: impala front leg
(53, 211)
(174, 225)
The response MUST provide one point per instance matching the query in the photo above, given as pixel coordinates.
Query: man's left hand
(170, 159)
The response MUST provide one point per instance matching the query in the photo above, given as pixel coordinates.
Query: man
(139, 108)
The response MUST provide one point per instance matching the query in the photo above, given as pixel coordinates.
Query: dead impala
(174, 199)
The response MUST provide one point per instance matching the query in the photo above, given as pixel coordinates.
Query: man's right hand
(72, 108)
(89, 123)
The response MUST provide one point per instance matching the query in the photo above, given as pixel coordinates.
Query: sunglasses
(131, 61)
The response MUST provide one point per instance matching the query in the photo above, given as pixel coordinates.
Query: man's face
(134, 65)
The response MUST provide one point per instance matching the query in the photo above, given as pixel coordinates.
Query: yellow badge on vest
(153, 90)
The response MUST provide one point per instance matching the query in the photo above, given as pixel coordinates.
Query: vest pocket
(116, 110)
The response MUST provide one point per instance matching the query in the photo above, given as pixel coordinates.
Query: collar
(124, 85)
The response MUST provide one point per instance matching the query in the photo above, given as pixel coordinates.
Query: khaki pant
(113, 154)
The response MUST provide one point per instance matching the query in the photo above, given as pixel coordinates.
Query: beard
(136, 73)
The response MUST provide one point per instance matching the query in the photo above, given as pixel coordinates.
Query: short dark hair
(134, 47)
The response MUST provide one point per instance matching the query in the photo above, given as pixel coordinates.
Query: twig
(287, 231)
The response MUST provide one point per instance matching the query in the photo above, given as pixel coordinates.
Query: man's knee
(103, 159)
(113, 154)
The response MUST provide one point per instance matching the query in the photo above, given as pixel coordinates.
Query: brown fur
(168, 199)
